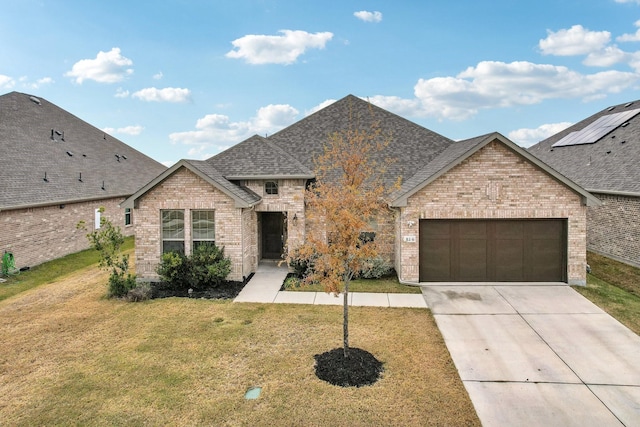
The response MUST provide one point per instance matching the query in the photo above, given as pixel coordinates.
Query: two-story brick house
(477, 210)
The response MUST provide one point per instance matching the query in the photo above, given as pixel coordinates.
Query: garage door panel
(472, 259)
(493, 250)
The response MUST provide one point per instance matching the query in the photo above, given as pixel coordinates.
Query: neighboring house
(602, 154)
(483, 209)
(56, 170)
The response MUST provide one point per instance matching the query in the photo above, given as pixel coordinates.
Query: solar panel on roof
(597, 129)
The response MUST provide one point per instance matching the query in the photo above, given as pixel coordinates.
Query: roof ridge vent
(628, 104)
(611, 108)
(35, 100)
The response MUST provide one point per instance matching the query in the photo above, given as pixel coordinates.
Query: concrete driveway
(538, 354)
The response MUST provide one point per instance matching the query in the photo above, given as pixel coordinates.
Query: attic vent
(35, 100)
(124, 157)
(625, 124)
(628, 104)
(117, 157)
(69, 153)
(611, 108)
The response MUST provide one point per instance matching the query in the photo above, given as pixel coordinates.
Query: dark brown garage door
(493, 250)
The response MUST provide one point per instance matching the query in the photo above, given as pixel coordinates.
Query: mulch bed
(227, 290)
(359, 369)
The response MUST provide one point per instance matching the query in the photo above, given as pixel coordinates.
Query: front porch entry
(273, 234)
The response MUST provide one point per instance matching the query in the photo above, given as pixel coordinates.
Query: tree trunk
(345, 323)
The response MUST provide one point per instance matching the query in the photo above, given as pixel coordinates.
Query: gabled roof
(80, 161)
(242, 196)
(459, 151)
(608, 165)
(257, 157)
(411, 145)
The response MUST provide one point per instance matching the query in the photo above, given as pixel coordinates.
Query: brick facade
(236, 229)
(493, 183)
(613, 229)
(40, 234)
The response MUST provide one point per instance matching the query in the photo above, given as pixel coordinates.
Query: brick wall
(37, 235)
(186, 191)
(613, 229)
(493, 183)
(289, 200)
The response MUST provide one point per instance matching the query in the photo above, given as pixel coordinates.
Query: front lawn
(614, 287)
(387, 284)
(72, 357)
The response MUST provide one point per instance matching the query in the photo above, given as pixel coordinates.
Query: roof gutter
(614, 193)
(62, 202)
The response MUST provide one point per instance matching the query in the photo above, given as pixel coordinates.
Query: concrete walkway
(539, 354)
(265, 286)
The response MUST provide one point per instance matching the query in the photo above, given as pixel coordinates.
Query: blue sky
(188, 78)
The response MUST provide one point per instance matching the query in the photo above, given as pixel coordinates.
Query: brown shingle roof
(609, 165)
(37, 137)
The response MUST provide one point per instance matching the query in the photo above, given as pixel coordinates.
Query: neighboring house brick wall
(40, 234)
(613, 229)
(187, 191)
(494, 183)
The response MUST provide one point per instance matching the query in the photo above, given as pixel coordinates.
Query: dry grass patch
(70, 356)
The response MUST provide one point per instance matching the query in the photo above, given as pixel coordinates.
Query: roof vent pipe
(45, 177)
(80, 177)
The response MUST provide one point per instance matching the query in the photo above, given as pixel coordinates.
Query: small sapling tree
(108, 240)
(349, 192)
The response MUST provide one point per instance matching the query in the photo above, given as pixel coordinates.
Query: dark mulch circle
(359, 369)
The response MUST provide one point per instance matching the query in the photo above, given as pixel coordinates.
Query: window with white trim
(172, 231)
(127, 216)
(203, 229)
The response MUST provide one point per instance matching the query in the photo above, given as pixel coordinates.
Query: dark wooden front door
(493, 250)
(272, 235)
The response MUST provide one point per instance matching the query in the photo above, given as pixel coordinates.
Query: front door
(272, 235)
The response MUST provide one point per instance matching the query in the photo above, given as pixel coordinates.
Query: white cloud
(216, 132)
(528, 137)
(575, 41)
(107, 67)
(366, 16)
(6, 82)
(121, 93)
(167, 94)
(319, 107)
(492, 84)
(635, 37)
(158, 76)
(606, 57)
(283, 49)
(628, 1)
(43, 81)
(127, 130)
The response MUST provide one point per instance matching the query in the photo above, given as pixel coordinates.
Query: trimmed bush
(206, 267)
(375, 268)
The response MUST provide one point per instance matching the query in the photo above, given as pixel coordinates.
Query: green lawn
(614, 287)
(53, 270)
(388, 284)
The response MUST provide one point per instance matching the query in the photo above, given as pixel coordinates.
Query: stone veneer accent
(40, 234)
(495, 182)
(613, 229)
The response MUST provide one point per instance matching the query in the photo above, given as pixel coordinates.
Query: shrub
(141, 292)
(375, 268)
(205, 267)
(301, 267)
(108, 240)
(292, 282)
